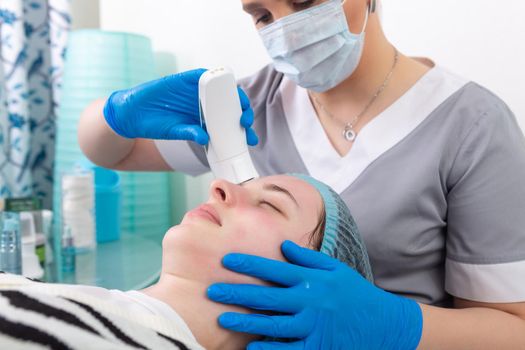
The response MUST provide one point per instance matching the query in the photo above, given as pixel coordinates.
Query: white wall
(201, 33)
(85, 14)
(483, 40)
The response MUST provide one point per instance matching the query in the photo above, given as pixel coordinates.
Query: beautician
(432, 167)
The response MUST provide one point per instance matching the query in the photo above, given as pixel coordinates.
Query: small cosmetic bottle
(10, 244)
(68, 251)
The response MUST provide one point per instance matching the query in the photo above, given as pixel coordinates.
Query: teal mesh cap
(341, 238)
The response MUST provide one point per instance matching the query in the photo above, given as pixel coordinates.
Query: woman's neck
(355, 95)
(188, 298)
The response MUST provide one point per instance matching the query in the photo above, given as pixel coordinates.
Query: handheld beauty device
(220, 110)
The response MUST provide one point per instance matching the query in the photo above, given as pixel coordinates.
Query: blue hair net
(341, 238)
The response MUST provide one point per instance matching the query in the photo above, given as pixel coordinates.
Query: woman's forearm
(471, 328)
(98, 141)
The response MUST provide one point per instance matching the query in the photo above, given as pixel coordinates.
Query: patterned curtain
(33, 38)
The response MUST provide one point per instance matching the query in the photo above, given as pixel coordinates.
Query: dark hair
(317, 235)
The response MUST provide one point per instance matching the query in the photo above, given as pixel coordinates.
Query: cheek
(195, 253)
(260, 233)
(196, 250)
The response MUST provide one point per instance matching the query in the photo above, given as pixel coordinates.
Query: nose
(225, 192)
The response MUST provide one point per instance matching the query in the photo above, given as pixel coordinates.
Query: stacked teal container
(97, 63)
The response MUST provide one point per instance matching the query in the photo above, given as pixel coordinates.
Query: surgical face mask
(314, 47)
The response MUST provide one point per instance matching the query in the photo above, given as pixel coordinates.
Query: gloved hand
(323, 304)
(167, 108)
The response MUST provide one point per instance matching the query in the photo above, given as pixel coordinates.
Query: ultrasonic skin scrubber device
(220, 112)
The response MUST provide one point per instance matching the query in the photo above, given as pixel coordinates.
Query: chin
(184, 238)
(187, 252)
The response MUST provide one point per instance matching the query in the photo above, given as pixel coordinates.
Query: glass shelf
(131, 263)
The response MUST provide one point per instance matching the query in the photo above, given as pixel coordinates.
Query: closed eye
(263, 202)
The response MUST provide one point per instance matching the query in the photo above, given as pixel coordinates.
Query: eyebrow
(276, 188)
(250, 7)
(254, 5)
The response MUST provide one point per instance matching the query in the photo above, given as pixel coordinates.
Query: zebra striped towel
(37, 315)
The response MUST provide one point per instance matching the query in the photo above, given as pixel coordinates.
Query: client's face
(253, 218)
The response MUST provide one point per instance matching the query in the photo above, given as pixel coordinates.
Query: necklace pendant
(349, 134)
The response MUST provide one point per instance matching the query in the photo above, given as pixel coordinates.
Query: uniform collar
(375, 139)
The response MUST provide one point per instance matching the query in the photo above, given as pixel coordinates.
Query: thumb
(190, 133)
(307, 257)
(251, 137)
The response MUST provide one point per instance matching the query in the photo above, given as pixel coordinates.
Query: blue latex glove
(167, 108)
(323, 304)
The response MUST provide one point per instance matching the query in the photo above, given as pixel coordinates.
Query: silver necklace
(348, 131)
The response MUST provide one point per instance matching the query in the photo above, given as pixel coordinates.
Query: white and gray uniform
(436, 182)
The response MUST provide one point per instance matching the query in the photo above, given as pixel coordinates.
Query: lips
(207, 212)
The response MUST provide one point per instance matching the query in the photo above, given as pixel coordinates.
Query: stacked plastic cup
(98, 63)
